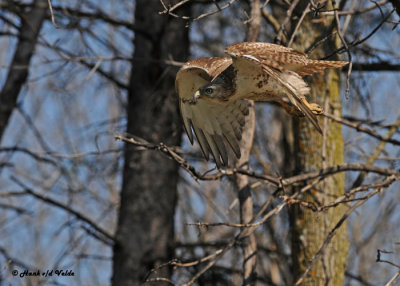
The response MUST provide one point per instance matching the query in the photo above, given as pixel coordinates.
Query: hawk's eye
(208, 90)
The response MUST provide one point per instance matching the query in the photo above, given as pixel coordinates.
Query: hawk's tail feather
(297, 83)
(316, 66)
(294, 97)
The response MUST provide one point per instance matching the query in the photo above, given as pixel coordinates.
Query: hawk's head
(213, 92)
(220, 89)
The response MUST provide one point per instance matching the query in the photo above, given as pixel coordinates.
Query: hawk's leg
(315, 108)
(295, 111)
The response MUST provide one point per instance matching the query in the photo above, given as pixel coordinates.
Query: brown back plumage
(280, 58)
(213, 66)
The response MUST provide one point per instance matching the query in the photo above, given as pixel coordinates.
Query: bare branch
(358, 42)
(341, 36)
(332, 233)
(278, 182)
(359, 127)
(355, 12)
(394, 278)
(299, 22)
(289, 13)
(65, 208)
(169, 10)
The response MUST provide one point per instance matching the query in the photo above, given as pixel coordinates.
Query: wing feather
(281, 57)
(204, 146)
(238, 115)
(213, 148)
(294, 98)
(186, 114)
(243, 105)
(213, 124)
(218, 140)
(237, 129)
(295, 88)
(232, 141)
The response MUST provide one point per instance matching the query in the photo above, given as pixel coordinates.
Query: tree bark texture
(148, 197)
(31, 23)
(312, 152)
(249, 243)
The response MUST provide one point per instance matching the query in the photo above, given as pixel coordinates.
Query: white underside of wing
(214, 124)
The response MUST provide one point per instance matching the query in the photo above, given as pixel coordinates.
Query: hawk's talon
(315, 108)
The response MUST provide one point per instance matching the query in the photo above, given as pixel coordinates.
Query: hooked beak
(196, 96)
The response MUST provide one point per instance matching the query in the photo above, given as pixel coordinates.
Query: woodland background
(97, 177)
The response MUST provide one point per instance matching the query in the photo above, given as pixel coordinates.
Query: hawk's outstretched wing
(212, 123)
(284, 65)
(256, 71)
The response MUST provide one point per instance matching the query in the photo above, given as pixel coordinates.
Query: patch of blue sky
(7, 44)
(56, 107)
(212, 31)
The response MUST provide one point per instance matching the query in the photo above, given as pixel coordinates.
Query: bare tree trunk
(312, 152)
(148, 197)
(31, 23)
(249, 243)
(242, 182)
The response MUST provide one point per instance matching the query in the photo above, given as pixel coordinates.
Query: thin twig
(52, 15)
(65, 208)
(303, 15)
(169, 10)
(339, 30)
(289, 13)
(378, 150)
(332, 234)
(358, 42)
(354, 12)
(359, 127)
(394, 278)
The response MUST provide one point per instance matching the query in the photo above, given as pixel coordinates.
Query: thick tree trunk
(31, 23)
(312, 152)
(148, 197)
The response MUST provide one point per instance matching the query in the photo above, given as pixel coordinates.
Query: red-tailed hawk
(213, 91)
